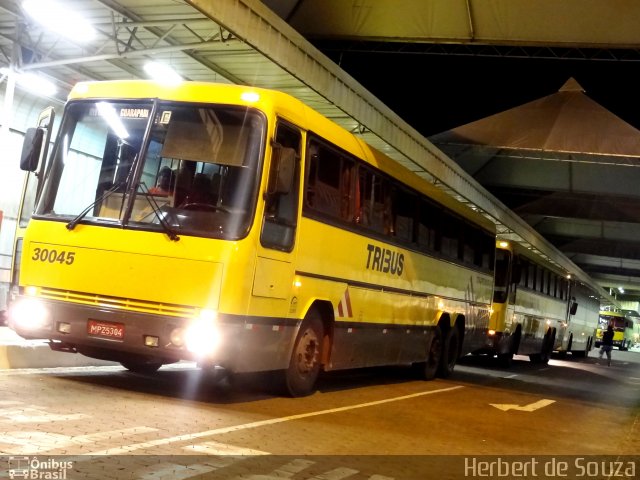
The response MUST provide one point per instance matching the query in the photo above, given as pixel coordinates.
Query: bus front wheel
(304, 366)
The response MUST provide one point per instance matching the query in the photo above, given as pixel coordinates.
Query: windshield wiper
(156, 210)
(72, 224)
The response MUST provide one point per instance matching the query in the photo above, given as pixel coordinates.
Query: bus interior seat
(201, 190)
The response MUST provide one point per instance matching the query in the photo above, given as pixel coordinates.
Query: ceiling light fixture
(33, 83)
(162, 73)
(60, 19)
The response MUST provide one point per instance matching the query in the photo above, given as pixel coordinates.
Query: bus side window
(281, 209)
(404, 204)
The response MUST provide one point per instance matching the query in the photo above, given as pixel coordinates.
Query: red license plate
(105, 329)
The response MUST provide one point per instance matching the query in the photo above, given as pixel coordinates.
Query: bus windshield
(188, 168)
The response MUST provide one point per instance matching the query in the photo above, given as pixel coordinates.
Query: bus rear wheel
(450, 353)
(428, 369)
(547, 347)
(304, 366)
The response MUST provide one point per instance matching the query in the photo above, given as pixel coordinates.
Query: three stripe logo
(344, 306)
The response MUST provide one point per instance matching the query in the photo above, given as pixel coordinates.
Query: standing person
(607, 343)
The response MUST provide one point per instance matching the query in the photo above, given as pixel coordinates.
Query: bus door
(273, 277)
(502, 305)
(34, 160)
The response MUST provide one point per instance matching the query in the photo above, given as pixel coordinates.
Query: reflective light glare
(29, 314)
(162, 73)
(59, 19)
(31, 291)
(208, 315)
(110, 115)
(33, 83)
(250, 96)
(177, 337)
(201, 337)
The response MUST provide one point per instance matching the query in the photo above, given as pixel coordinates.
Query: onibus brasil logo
(36, 468)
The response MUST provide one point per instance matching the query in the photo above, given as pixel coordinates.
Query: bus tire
(304, 366)
(547, 346)
(428, 369)
(450, 352)
(144, 368)
(505, 360)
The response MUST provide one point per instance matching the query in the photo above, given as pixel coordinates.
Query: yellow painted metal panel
(120, 263)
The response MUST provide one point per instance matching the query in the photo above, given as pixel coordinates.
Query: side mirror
(31, 149)
(574, 308)
(282, 170)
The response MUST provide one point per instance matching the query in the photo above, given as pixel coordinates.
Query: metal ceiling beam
(117, 8)
(127, 54)
(585, 228)
(609, 53)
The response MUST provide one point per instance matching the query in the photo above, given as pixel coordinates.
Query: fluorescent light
(162, 73)
(110, 115)
(34, 83)
(59, 19)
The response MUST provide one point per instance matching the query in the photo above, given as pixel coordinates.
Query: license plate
(105, 329)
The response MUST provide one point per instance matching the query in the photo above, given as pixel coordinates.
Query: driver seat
(201, 190)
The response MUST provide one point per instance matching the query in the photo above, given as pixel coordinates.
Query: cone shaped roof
(566, 121)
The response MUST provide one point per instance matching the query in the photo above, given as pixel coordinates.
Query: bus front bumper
(232, 341)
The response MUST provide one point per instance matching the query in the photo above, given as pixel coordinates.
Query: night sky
(435, 93)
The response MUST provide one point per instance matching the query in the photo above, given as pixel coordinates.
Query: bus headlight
(202, 335)
(29, 314)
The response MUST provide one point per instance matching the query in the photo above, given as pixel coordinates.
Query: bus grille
(117, 303)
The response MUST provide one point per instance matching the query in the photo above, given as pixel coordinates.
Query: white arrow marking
(527, 408)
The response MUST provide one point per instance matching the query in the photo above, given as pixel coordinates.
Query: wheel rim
(435, 351)
(307, 352)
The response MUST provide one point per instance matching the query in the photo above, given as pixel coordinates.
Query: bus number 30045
(53, 256)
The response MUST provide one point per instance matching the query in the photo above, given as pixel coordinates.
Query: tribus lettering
(384, 260)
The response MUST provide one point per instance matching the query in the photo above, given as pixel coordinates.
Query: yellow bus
(41, 135)
(622, 329)
(239, 228)
(535, 309)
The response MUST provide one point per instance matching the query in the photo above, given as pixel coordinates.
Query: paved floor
(16, 352)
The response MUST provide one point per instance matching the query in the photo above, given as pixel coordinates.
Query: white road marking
(337, 474)
(526, 408)
(175, 471)
(35, 414)
(88, 369)
(288, 470)
(27, 443)
(35, 371)
(217, 448)
(261, 423)
(511, 376)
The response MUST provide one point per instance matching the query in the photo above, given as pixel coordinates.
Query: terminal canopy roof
(570, 168)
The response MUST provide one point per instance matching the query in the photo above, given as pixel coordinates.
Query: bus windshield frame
(166, 166)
